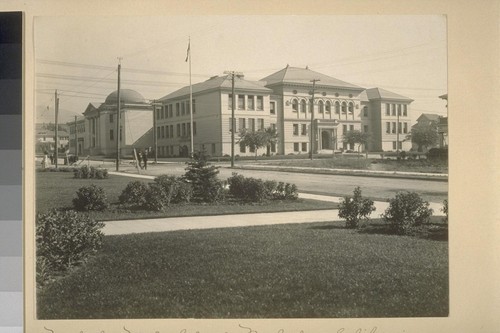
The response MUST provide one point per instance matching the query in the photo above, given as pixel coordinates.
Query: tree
(356, 137)
(355, 209)
(424, 136)
(253, 140)
(203, 178)
(271, 138)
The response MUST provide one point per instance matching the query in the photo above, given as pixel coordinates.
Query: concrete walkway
(236, 220)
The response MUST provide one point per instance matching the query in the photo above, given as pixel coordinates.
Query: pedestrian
(139, 159)
(44, 160)
(52, 159)
(145, 159)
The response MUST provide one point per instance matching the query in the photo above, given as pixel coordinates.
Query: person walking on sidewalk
(145, 159)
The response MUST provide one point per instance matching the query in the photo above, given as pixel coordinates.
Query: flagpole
(191, 99)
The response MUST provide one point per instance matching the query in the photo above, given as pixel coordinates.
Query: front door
(326, 140)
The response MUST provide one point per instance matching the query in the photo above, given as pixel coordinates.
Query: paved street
(337, 185)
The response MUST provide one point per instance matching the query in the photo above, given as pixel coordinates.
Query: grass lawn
(282, 271)
(57, 190)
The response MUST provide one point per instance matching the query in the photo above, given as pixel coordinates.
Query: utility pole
(398, 110)
(233, 123)
(191, 102)
(312, 119)
(76, 138)
(118, 133)
(56, 155)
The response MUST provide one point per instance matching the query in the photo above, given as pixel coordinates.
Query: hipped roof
(382, 94)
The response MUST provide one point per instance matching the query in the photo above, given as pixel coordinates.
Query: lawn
(57, 190)
(282, 271)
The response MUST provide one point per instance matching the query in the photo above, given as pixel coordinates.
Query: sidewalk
(238, 220)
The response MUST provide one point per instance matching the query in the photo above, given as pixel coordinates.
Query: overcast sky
(78, 55)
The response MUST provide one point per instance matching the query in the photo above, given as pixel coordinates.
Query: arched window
(337, 107)
(328, 106)
(351, 108)
(303, 105)
(344, 108)
(295, 105)
(321, 106)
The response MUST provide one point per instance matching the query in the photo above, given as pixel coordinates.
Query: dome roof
(126, 96)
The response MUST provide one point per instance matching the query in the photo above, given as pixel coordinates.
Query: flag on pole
(188, 51)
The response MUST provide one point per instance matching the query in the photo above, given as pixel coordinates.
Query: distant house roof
(428, 117)
(445, 96)
(382, 94)
(303, 76)
(218, 82)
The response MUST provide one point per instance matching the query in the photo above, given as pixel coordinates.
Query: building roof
(382, 94)
(127, 96)
(218, 82)
(445, 96)
(429, 116)
(303, 76)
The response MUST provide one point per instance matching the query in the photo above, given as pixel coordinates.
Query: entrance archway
(326, 140)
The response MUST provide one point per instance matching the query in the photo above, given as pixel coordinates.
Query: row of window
(395, 144)
(390, 127)
(182, 130)
(300, 145)
(180, 108)
(340, 108)
(391, 109)
(303, 129)
(247, 102)
(252, 124)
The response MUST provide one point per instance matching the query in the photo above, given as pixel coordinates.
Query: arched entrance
(326, 140)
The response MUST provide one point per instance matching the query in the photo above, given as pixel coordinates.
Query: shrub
(85, 172)
(134, 194)
(286, 191)
(203, 178)
(176, 189)
(64, 239)
(90, 198)
(445, 210)
(355, 209)
(407, 211)
(156, 198)
(257, 190)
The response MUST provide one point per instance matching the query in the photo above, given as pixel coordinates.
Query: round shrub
(64, 239)
(156, 198)
(134, 194)
(355, 209)
(176, 189)
(407, 211)
(90, 198)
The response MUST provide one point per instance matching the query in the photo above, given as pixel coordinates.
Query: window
(177, 109)
(170, 111)
(260, 123)
(393, 108)
(251, 149)
(241, 102)
(260, 103)
(393, 127)
(295, 129)
(328, 106)
(388, 127)
(194, 127)
(172, 131)
(230, 124)
(178, 130)
(165, 108)
(242, 148)
(304, 129)
(405, 110)
(188, 125)
(337, 107)
(351, 108)
(158, 133)
(157, 114)
(241, 123)
(251, 102)
(295, 105)
(111, 135)
(183, 108)
(344, 108)
(303, 105)
(272, 108)
(365, 111)
(296, 146)
(405, 128)
(163, 132)
(230, 101)
(213, 148)
(111, 118)
(321, 106)
(399, 128)
(167, 134)
(183, 129)
(344, 129)
(387, 109)
(304, 146)
(251, 124)
(162, 114)
(193, 105)
(399, 109)
(365, 128)
(351, 127)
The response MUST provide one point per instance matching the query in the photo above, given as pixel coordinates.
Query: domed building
(136, 125)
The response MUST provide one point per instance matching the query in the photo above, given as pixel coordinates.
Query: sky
(78, 55)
